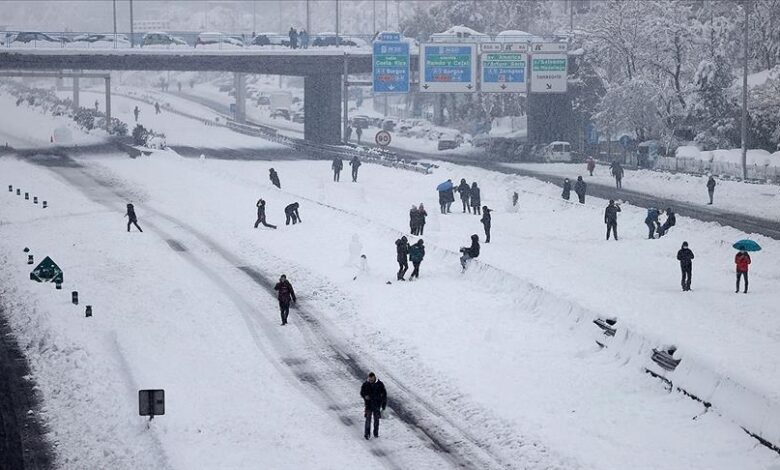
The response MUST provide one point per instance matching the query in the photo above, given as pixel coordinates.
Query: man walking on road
(375, 401)
(355, 164)
(617, 172)
(337, 166)
(610, 218)
(711, 188)
(285, 295)
(136, 112)
(685, 257)
(402, 256)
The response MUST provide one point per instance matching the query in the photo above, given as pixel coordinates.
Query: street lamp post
(132, 38)
(746, 4)
(114, 2)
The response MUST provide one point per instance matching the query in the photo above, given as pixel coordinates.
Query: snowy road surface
(493, 369)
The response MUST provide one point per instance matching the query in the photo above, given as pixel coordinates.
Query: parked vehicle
(35, 38)
(162, 39)
(263, 100)
(558, 151)
(330, 39)
(450, 140)
(217, 40)
(388, 125)
(100, 40)
(360, 122)
(281, 113)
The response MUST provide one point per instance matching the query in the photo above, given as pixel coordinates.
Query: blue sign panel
(390, 37)
(391, 67)
(448, 68)
(503, 72)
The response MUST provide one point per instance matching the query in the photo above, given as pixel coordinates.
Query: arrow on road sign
(549, 86)
(425, 86)
(469, 86)
(503, 86)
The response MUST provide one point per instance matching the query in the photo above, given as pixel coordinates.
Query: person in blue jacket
(652, 222)
(416, 255)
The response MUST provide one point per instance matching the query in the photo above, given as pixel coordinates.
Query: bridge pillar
(322, 108)
(76, 93)
(108, 102)
(239, 84)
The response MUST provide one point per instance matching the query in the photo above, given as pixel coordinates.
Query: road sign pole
(345, 99)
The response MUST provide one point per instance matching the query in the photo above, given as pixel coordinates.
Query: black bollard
(29, 259)
(88, 311)
(58, 285)
(74, 297)
(10, 188)
(35, 199)
(18, 192)
(26, 250)
(45, 204)
(26, 196)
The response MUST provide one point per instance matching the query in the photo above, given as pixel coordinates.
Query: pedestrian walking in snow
(261, 215)
(136, 112)
(742, 260)
(685, 257)
(337, 166)
(414, 220)
(515, 197)
(97, 105)
(566, 189)
(470, 252)
(610, 218)
(580, 187)
(671, 221)
(416, 255)
(617, 172)
(486, 222)
(476, 198)
(591, 165)
(285, 294)
(359, 133)
(465, 193)
(178, 85)
(711, 187)
(355, 164)
(293, 35)
(402, 256)
(375, 401)
(291, 214)
(348, 134)
(131, 218)
(156, 108)
(421, 215)
(652, 222)
(304, 37)
(274, 177)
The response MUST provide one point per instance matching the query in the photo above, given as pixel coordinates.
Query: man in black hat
(375, 399)
(685, 257)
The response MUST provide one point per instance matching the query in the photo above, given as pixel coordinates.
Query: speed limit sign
(383, 138)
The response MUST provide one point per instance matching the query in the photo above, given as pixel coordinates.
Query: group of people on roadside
(298, 39)
(290, 212)
(337, 165)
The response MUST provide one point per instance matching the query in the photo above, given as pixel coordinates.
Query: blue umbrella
(747, 245)
(445, 186)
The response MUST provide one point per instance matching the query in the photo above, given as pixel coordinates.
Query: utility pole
(308, 22)
(746, 4)
(398, 15)
(338, 14)
(571, 16)
(386, 14)
(373, 3)
(114, 2)
(132, 39)
(254, 17)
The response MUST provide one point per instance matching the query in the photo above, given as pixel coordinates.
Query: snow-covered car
(460, 34)
(330, 39)
(35, 39)
(98, 41)
(269, 39)
(360, 121)
(280, 113)
(159, 39)
(216, 40)
(450, 140)
(299, 117)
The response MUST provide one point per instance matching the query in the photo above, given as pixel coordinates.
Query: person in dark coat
(416, 255)
(670, 222)
(285, 294)
(486, 222)
(355, 164)
(465, 191)
(711, 187)
(610, 218)
(136, 112)
(157, 108)
(274, 176)
(359, 133)
(293, 35)
(291, 214)
(375, 401)
(685, 257)
(566, 189)
(617, 172)
(652, 222)
(414, 220)
(580, 187)
(443, 202)
(402, 256)
(450, 198)
(261, 215)
(337, 166)
(515, 198)
(131, 218)
(421, 214)
(476, 198)
(591, 165)
(470, 252)
(742, 260)
(348, 134)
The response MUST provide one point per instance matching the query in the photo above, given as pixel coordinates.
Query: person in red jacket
(742, 261)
